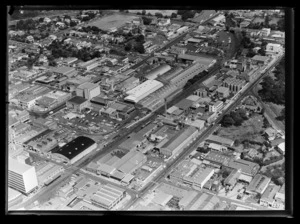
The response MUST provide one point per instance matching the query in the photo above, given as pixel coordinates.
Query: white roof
(17, 167)
(193, 98)
(282, 146)
(143, 90)
(172, 109)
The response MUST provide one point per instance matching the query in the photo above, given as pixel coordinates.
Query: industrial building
(77, 103)
(189, 173)
(65, 71)
(48, 172)
(219, 140)
(247, 168)
(216, 159)
(158, 71)
(233, 84)
(268, 197)
(181, 78)
(75, 150)
(200, 92)
(176, 144)
(108, 196)
(258, 185)
(86, 66)
(88, 90)
(187, 199)
(223, 92)
(262, 60)
(21, 177)
(143, 90)
(117, 167)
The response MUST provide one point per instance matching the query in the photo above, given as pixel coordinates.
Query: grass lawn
(248, 130)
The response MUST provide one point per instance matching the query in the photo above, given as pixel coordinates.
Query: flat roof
(17, 167)
(88, 85)
(75, 147)
(184, 104)
(260, 58)
(77, 100)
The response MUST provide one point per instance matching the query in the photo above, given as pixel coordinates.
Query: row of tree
(196, 78)
(272, 91)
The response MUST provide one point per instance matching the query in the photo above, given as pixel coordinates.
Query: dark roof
(75, 147)
(77, 100)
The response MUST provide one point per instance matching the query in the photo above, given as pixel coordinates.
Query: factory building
(48, 172)
(143, 90)
(188, 73)
(86, 66)
(108, 196)
(65, 71)
(75, 150)
(77, 103)
(21, 177)
(176, 144)
(268, 197)
(88, 90)
(233, 84)
(219, 140)
(201, 92)
(223, 92)
(258, 185)
(158, 71)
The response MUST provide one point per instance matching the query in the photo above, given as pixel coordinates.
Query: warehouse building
(21, 177)
(77, 103)
(216, 159)
(268, 197)
(158, 71)
(75, 150)
(143, 90)
(65, 71)
(48, 172)
(258, 185)
(86, 66)
(176, 144)
(219, 140)
(247, 168)
(88, 90)
(108, 196)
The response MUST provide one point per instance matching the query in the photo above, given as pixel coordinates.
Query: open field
(248, 130)
(115, 20)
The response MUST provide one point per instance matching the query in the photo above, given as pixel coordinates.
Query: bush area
(274, 90)
(195, 79)
(276, 173)
(234, 118)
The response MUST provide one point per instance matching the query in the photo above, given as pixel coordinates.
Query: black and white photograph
(147, 110)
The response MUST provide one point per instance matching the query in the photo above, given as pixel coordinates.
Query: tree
(227, 121)
(140, 38)
(72, 23)
(173, 15)
(243, 114)
(237, 142)
(128, 46)
(158, 15)
(139, 47)
(144, 12)
(41, 19)
(146, 20)
(237, 118)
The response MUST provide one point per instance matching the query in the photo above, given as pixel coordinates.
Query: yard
(250, 130)
(115, 20)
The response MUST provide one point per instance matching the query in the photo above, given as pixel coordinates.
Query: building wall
(25, 182)
(82, 154)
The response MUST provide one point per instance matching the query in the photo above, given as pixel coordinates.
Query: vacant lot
(115, 20)
(250, 129)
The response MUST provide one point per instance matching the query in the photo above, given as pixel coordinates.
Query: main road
(202, 137)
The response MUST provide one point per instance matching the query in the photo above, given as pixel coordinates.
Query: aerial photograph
(145, 110)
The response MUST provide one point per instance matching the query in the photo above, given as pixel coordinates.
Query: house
(270, 133)
(30, 39)
(47, 20)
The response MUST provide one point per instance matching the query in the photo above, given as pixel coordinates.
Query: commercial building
(21, 177)
(158, 71)
(258, 185)
(176, 144)
(268, 197)
(215, 106)
(77, 103)
(143, 90)
(273, 49)
(223, 92)
(108, 196)
(88, 90)
(75, 150)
